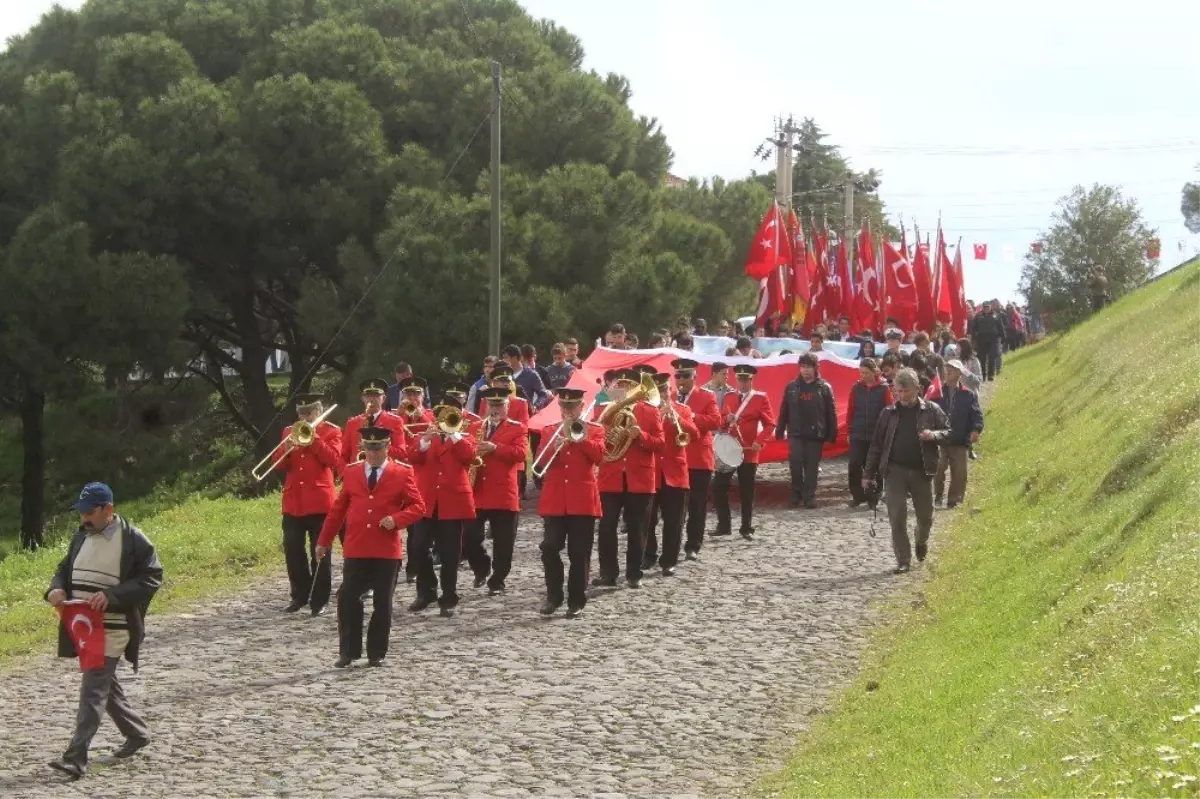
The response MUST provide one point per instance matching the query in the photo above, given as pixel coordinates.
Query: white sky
(1041, 95)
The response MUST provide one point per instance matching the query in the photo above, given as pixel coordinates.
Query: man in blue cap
(112, 566)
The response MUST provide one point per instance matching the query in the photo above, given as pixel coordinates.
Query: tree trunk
(260, 405)
(33, 475)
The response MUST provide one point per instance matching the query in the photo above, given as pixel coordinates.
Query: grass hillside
(1052, 651)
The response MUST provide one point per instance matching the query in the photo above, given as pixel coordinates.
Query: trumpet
(409, 408)
(682, 439)
(303, 435)
(576, 432)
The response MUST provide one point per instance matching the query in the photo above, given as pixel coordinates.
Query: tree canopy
(1094, 230)
(1189, 205)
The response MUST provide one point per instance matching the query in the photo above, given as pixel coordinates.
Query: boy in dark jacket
(966, 423)
(113, 567)
(868, 398)
(808, 418)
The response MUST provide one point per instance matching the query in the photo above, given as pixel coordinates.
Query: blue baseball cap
(92, 496)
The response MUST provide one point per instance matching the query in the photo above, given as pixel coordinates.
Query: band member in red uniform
(416, 419)
(749, 418)
(460, 391)
(501, 445)
(706, 414)
(627, 485)
(442, 460)
(569, 503)
(373, 393)
(379, 498)
(518, 409)
(307, 496)
(673, 481)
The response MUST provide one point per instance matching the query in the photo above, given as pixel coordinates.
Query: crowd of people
(434, 478)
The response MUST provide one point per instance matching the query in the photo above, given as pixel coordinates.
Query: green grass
(206, 546)
(1053, 649)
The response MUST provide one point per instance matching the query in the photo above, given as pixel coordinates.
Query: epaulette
(405, 464)
(706, 388)
(512, 421)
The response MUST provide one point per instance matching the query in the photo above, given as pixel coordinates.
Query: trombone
(303, 434)
(575, 433)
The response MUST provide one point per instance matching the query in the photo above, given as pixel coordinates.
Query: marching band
(646, 451)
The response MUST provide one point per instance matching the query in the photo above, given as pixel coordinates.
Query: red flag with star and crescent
(85, 625)
(901, 287)
(866, 297)
(767, 247)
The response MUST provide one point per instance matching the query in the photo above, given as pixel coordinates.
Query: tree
(1094, 229)
(1189, 205)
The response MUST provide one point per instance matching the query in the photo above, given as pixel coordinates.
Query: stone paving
(693, 686)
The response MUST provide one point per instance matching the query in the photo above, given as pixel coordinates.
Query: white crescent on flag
(80, 618)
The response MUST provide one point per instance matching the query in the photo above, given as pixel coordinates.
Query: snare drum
(728, 451)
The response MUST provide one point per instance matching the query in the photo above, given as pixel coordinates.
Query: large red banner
(774, 374)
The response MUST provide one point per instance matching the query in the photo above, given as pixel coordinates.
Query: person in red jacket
(415, 419)
(706, 414)
(497, 502)
(627, 485)
(307, 496)
(373, 391)
(569, 504)
(518, 408)
(442, 460)
(671, 496)
(748, 416)
(460, 390)
(379, 498)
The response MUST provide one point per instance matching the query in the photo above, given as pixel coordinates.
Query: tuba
(618, 417)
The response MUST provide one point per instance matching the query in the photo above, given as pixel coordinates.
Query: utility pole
(848, 220)
(494, 293)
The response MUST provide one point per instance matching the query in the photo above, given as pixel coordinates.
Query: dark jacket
(807, 411)
(987, 328)
(141, 577)
(866, 403)
(529, 381)
(930, 417)
(963, 414)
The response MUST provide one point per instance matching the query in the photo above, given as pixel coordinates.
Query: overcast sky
(987, 113)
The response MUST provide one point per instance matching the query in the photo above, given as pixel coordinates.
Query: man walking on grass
(112, 566)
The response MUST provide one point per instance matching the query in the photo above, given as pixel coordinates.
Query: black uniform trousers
(721, 482)
(410, 565)
(360, 575)
(669, 503)
(858, 460)
(300, 555)
(697, 508)
(504, 537)
(804, 456)
(446, 536)
(576, 533)
(634, 507)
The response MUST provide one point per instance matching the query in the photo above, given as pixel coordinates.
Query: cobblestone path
(693, 686)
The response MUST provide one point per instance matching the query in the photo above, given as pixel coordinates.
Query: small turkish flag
(1036, 247)
(980, 252)
(1153, 248)
(766, 249)
(934, 392)
(85, 625)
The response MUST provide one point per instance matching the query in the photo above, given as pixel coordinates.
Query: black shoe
(480, 581)
(495, 590)
(375, 662)
(901, 569)
(410, 578)
(548, 608)
(951, 505)
(635, 583)
(972, 454)
(319, 611)
(810, 504)
(342, 662)
(794, 502)
(854, 503)
(692, 555)
(747, 533)
(937, 502)
(446, 613)
(719, 533)
(295, 606)
(72, 770)
(574, 613)
(604, 582)
(131, 747)
(420, 603)
(668, 571)
(921, 550)
(648, 564)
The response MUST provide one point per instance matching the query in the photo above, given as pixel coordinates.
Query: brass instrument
(449, 420)
(618, 418)
(303, 435)
(409, 408)
(576, 432)
(477, 464)
(682, 439)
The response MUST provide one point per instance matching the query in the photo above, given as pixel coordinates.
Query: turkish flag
(944, 309)
(1154, 248)
(958, 295)
(801, 271)
(818, 298)
(924, 284)
(934, 392)
(901, 288)
(845, 282)
(1036, 247)
(767, 247)
(980, 252)
(866, 295)
(85, 625)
